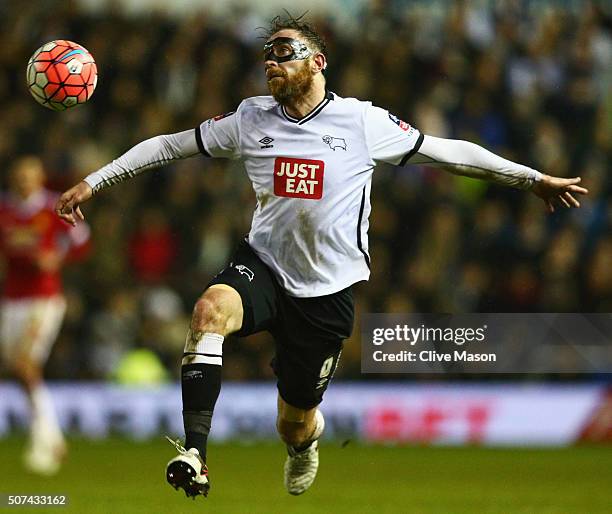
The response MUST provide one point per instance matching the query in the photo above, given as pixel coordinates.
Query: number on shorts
(327, 367)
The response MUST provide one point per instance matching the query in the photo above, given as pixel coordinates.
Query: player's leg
(29, 329)
(303, 376)
(300, 429)
(295, 426)
(241, 299)
(308, 346)
(216, 314)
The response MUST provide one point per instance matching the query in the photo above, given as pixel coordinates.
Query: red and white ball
(61, 74)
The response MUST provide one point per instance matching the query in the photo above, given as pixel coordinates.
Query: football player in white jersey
(309, 155)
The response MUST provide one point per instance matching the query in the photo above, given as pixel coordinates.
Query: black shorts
(308, 332)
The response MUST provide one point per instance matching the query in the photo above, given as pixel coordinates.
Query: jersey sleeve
(470, 160)
(146, 155)
(220, 136)
(390, 139)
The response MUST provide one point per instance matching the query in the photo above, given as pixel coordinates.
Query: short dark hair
(298, 24)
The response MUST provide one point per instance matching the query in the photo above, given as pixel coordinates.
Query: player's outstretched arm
(149, 154)
(468, 159)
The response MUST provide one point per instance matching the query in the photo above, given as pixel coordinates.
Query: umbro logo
(191, 374)
(265, 141)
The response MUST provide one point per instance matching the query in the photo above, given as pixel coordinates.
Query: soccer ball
(61, 74)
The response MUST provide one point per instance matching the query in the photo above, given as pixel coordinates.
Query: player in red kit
(34, 244)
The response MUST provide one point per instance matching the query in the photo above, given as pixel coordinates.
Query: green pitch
(118, 476)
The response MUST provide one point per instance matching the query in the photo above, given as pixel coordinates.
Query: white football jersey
(312, 180)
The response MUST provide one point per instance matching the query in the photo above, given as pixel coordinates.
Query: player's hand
(560, 191)
(67, 207)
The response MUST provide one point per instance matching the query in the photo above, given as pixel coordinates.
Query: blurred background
(531, 81)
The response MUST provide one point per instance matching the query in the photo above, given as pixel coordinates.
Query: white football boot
(45, 456)
(301, 466)
(188, 471)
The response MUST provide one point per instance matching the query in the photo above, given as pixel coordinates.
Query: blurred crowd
(531, 84)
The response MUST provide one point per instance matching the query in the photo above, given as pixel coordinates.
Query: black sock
(201, 384)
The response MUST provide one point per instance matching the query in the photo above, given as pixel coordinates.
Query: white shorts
(29, 327)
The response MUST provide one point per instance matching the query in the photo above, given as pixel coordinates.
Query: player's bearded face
(287, 87)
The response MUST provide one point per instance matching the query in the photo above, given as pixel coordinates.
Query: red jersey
(29, 229)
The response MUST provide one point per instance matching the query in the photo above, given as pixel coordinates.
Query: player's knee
(26, 371)
(208, 315)
(212, 314)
